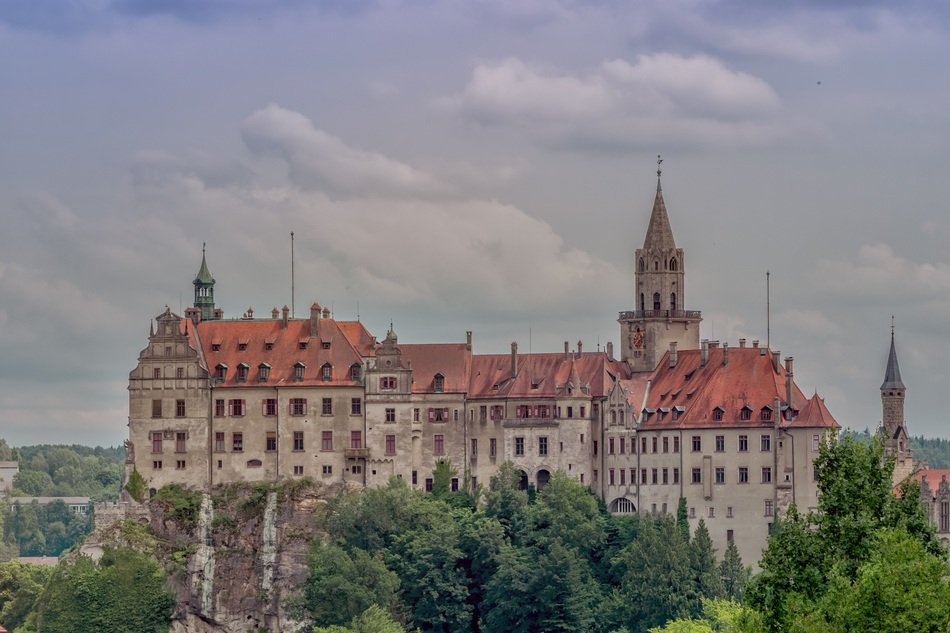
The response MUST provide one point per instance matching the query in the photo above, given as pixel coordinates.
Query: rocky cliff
(236, 557)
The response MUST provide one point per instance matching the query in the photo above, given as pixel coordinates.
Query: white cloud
(879, 272)
(320, 161)
(809, 321)
(661, 97)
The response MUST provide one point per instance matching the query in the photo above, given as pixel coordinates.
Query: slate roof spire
(204, 275)
(892, 375)
(659, 235)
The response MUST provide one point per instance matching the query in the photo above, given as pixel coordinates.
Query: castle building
(216, 400)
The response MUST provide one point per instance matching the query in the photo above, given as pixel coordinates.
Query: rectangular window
(623, 445)
(180, 441)
(610, 476)
(519, 446)
(326, 372)
(542, 446)
(455, 415)
(729, 513)
(768, 508)
(156, 408)
(326, 407)
(676, 476)
(676, 444)
(666, 444)
(439, 414)
(157, 372)
(242, 373)
(643, 476)
(390, 444)
(269, 406)
(643, 445)
(298, 470)
(356, 439)
(298, 406)
(327, 470)
(474, 447)
(298, 372)
(157, 464)
(180, 464)
(237, 442)
(219, 408)
(583, 411)
(593, 446)
(428, 484)
(390, 414)
(720, 475)
(263, 371)
(610, 446)
(743, 475)
(492, 447)
(298, 440)
(455, 484)
(415, 414)
(712, 512)
(482, 413)
(356, 406)
(270, 440)
(945, 516)
(743, 443)
(697, 443)
(570, 412)
(156, 441)
(815, 442)
(654, 444)
(179, 408)
(666, 475)
(766, 443)
(697, 476)
(766, 474)
(623, 477)
(654, 476)
(720, 443)
(730, 536)
(387, 383)
(236, 407)
(219, 442)
(326, 441)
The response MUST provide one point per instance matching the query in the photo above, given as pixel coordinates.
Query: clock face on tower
(638, 339)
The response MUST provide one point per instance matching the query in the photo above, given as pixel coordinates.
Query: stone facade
(215, 401)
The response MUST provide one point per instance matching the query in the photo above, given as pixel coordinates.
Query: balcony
(356, 453)
(630, 315)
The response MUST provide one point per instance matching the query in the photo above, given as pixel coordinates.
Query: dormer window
(302, 345)
(677, 412)
(766, 414)
(717, 414)
(325, 345)
(356, 372)
(263, 372)
(216, 347)
(221, 372)
(438, 383)
(242, 347)
(242, 372)
(268, 346)
(326, 372)
(299, 369)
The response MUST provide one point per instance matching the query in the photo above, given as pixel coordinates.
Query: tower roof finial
(892, 375)
(659, 233)
(204, 275)
(659, 171)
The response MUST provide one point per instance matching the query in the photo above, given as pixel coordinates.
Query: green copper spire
(204, 289)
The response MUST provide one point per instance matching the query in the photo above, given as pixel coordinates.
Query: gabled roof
(452, 360)
(543, 375)
(932, 477)
(284, 350)
(747, 380)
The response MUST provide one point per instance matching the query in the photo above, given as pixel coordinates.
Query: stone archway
(523, 483)
(622, 506)
(542, 478)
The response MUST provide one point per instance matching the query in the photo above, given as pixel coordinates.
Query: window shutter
(230, 407)
(264, 406)
(445, 414)
(431, 415)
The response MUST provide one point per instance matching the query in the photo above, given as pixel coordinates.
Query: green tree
(507, 502)
(342, 585)
(32, 483)
(442, 479)
(568, 512)
(136, 486)
(20, 585)
(373, 620)
(734, 574)
(718, 616)
(703, 565)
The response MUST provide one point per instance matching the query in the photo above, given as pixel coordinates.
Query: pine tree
(702, 562)
(734, 575)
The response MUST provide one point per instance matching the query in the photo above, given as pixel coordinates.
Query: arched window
(438, 383)
(643, 305)
(613, 417)
(656, 265)
(656, 300)
(673, 264)
(640, 265)
(672, 301)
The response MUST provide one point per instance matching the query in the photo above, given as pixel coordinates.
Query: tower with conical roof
(892, 414)
(660, 317)
(204, 289)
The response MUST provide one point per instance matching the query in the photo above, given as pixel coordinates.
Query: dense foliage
(551, 561)
(45, 530)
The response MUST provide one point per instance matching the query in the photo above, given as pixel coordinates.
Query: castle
(213, 401)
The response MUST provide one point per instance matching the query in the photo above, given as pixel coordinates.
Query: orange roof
(267, 342)
(452, 360)
(359, 337)
(543, 375)
(933, 477)
(747, 381)
(636, 389)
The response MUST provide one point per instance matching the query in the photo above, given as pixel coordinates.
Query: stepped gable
(285, 351)
(452, 360)
(747, 380)
(931, 477)
(542, 375)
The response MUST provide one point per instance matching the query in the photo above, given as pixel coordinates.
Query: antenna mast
(768, 312)
(293, 308)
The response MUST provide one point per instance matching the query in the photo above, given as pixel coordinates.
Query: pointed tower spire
(892, 375)
(204, 289)
(659, 233)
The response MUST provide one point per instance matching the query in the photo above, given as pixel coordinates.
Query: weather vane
(659, 161)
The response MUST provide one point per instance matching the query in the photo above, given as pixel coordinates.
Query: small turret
(204, 290)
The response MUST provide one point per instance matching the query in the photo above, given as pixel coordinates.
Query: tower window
(643, 304)
(656, 265)
(656, 300)
(672, 301)
(673, 264)
(640, 265)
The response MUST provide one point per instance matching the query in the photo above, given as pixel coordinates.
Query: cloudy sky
(471, 164)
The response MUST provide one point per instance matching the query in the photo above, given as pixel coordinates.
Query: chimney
(314, 319)
(725, 354)
(250, 312)
(218, 314)
(741, 343)
(194, 314)
(673, 355)
(789, 379)
(714, 344)
(468, 340)
(514, 359)
(776, 355)
(610, 350)
(703, 352)
(275, 313)
(567, 349)
(326, 312)
(580, 348)
(286, 313)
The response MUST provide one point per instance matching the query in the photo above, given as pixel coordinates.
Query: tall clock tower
(660, 317)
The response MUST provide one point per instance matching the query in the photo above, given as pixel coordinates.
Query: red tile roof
(932, 476)
(452, 360)
(542, 375)
(747, 380)
(285, 350)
